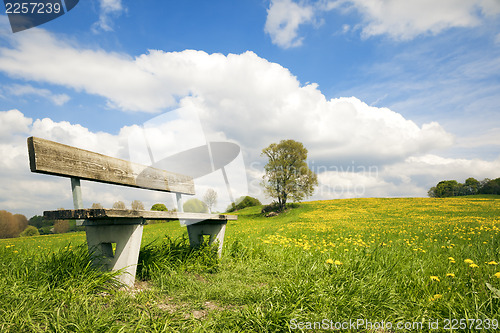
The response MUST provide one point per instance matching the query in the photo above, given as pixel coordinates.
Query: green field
(359, 265)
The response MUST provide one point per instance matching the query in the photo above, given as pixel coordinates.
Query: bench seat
(103, 215)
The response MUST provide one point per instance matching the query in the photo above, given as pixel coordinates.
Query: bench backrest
(54, 158)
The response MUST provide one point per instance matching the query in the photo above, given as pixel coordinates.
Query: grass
(372, 260)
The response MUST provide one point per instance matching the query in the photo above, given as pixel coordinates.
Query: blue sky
(388, 97)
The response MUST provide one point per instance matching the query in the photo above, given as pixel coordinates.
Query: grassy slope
(273, 270)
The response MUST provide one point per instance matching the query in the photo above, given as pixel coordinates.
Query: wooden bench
(105, 227)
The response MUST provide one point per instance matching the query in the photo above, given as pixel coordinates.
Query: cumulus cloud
(260, 101)
(26, 89)
(400, 20)
(13, 122)
(283, 20)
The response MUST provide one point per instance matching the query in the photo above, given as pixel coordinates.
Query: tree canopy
(210, 199)
(137, 205)
(287, 175)
(451, 188)
(159, 207)
(11, 225)
(119, 205)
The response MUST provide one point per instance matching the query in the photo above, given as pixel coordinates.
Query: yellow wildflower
(497, 275)
(450, 275)
(473, 266)
(329, 261)
(435, 278)
(468, 261)
(492, 263)
(337, 262)
(451, 259)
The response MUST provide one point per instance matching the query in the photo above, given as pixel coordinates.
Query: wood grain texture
(54, 158)
(102, 214)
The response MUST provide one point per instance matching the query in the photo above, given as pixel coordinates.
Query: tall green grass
(364, 259)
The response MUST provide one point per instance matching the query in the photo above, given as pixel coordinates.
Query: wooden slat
(97, 214)
(54, 158)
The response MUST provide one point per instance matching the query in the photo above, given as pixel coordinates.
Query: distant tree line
(11, 225)
(452, 188)
(17, 225)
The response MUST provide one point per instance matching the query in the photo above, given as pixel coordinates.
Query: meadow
(355, 265)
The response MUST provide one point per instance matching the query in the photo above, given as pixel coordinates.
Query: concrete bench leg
(100, 240)
(216, 232)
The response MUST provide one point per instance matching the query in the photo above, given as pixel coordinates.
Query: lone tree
(119, 205)
(210, 198)
(137, 205)
(287, 175)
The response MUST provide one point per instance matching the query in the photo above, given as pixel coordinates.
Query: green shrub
(47, 230)
(275, 207)
(272, 207)
(159, 207)
(195, 206)
(29, 231)
(244, 202)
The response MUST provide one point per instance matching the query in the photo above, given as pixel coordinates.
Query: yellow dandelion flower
(435, 278)
(329, 261)
(468, 261)
(451, 259)
(438, 296)
(450, 275)
(497, 275)
(337, 262)
(473, 266)
(492, 263)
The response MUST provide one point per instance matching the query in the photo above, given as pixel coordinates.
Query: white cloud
(283, 20)
(108, 9)
(76, 135)
(21, 90)
(428, 170)
(13, 122)
(407, 19)
(260, 101)
(39, 56)
(400, 20)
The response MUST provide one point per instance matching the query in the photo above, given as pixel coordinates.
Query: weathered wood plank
(97, 214)
(54, 158)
